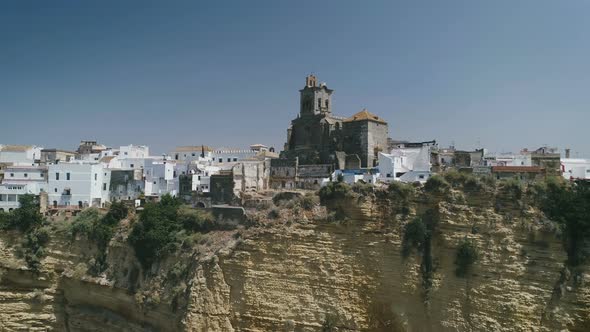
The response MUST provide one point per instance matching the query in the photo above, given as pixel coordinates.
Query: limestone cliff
(297, 271)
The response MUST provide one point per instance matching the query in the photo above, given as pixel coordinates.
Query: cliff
(301, 271)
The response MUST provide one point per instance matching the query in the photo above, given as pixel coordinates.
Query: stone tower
(315, 99)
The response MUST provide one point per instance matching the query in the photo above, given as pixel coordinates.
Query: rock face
(296, 275)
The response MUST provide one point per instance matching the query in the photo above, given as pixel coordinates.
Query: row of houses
(96, 175)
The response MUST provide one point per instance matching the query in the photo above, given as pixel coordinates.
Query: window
(220, 160)
(41, 175)
(104, 186)
(95, 176)
(319, 102)
(131, 165)
(327, 103)
(125, 153)
(55, 190)
(57, 176)
(193, 154)
(68, 176)
(235, 159)
(26, 175)
(199, 177)
(228, 160)
(11, 175)
(176, 156)
(421, 177)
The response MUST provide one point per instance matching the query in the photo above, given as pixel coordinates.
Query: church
(317, 136)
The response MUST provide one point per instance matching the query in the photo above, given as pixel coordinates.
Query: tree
(27, 216)
(467, 254)
(415, 234)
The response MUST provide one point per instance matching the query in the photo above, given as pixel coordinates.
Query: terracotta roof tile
(365, 115)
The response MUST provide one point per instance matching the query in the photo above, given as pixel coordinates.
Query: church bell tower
(315, 99)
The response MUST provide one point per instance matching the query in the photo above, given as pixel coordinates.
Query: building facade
(317, 136)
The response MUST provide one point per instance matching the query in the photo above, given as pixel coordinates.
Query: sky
(499, 74)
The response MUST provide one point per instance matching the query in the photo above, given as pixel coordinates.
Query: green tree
(27, 216)
(569, 205)
(467, 254)
(415, 235)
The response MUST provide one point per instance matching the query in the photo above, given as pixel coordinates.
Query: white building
(201, 177)
(19, 154)
(226, 159)
(34, 178)
(134, 151)
(78, 184)
(161, 178)
(508, 159)
(9, 196)
(575, 168)
(406, 164)
(190, 153)
(353, 176)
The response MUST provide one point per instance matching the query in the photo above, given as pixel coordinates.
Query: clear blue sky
(507, 74)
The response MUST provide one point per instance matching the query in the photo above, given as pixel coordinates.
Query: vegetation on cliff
(28, 220)
(165, 226)
(414, 236)
(99, 229)
(467, 255)
(569, 205)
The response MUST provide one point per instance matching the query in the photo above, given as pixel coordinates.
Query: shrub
(34, 247)
(334, 191)
(467, 254)
(263, 205)
(456, 179)
(414, 236)
(329, 324)
(99, 229)
(162, 228)
(473, 184)
(362, 188)
(196, 220)
(437, 185)
(25, 218)
(569, 205)
(513, 188)
(308, 201)
(402, 194)
(274, 213)
(84, 222)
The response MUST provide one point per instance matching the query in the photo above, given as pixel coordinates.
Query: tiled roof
(365, 115)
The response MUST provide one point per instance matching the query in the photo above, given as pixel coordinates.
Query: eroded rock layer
(295, 274)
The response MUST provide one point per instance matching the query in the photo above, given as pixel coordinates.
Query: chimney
(567, 153)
